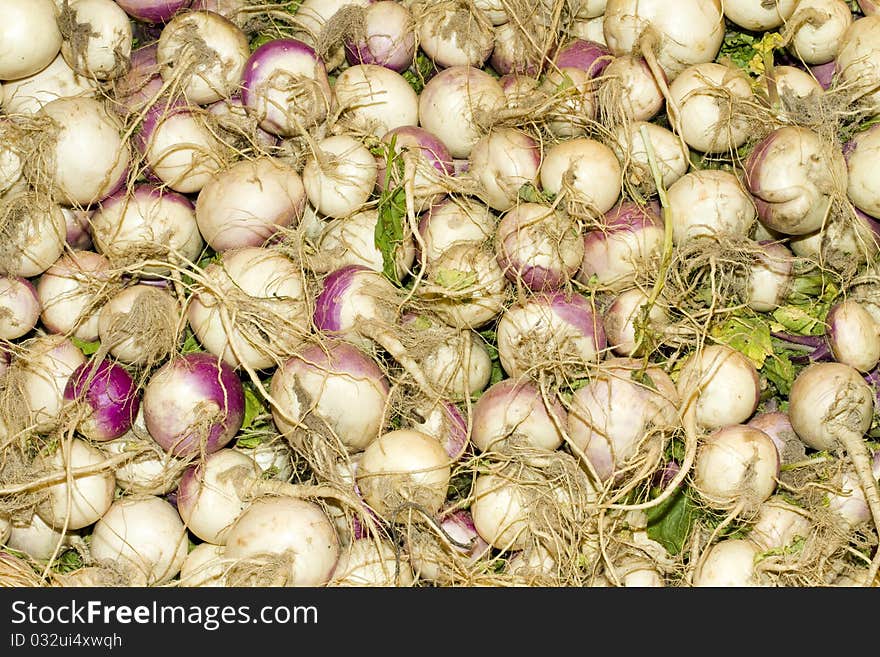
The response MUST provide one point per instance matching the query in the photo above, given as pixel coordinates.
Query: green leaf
(88, 348)
(780, 371)
(421, 69)
(253, 406)
(670, 523)
(749, 335)
(798, 319)
(67, 562)
(190, 343)
(391, 209)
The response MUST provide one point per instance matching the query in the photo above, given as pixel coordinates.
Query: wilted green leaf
(670, 523)
(88, 348)
(749, 335)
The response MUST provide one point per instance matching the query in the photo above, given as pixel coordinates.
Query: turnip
(74, 126)
(437, 556)
(736, 468)
(37, 539)
(28, 94)
(281, 541)
(627, 330)
(97, 38)
(862, 187)
(848, 239)
(550, 334)
(628, 238)
(419, 162)
(148, 227)
(242, 129)
(30, 37)
(374, 99)
(777, 425)
(274, 457)
(153, 11)
(213, 493)
(78, 501)
(193, 405)
(500, 512)
(709, 98)
(778, 524)
(315, 390)
(139, 325)
(140, 85)
(539, 247)
(19, 307)
(503, 161)
(721, 384)
(339, 176)
(250, 309)
(623, 411)
(454, 34)
(770, 277)
(857, 64)
(759, 16)
(316, 18)
(853, 335)
(203, 566)
(631, 149)
(70, 293)
(443, 420)
(731, 562)
(150, 470)
(203, 54)
(372, 562)
(404, 475)
(179, 146)
(585, 171)
(34, 232)
(816, 29)
(628, 86)
(571, 98)
(514, 414)
(108, 396)
(10, 154)
(387, 37)
(454, 219)
(285, 85)
(517, 50)
(144, 536)
(688, 32)
(78, 235)
(709, 203)
(458, 104)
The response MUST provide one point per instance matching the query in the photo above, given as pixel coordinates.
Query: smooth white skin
(500, 512)
(294, 533)
(708, 96)
(848, 501)
(214, 498)
(722, 384)
(352, 406)
(535, 235)
(863, 186)
(206, 77)
(470, 42)
(47, 363)
(531, 336)
(736, 465)
(129, 349)
(616, 258)
(83, 500)
(629, 76)
(587, 8)
(19, 308)
(68, 292)
(503, 161)
(148, 221)
(853, 335)
(858, 60)
(610, 419)
(40, 243)
(769, 278)
(456, 219)
(37, 539)
(452, 103)
(5, 528)
(85, 126)
(507, 411)
(268, 278)
(590, 29)
(460, 367)
(248, 202)
(709, 202)
(759, 15)
(339, 178)
(404, 465)
(203, 566)
(184, 153)
(469, 267)
(793, 83)
(145, 536)
(107, 42)
(57, 80)
(621, 316)
(778, 524)
(29, 37)
(816, 393)
(372, 562)
(817, 39)
(351, 240)
(629, 146)
(375, 99)
(575, 105)
(688, 31)
(594, 170)
(728, 563)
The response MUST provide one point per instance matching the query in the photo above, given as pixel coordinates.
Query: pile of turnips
(439, 293)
